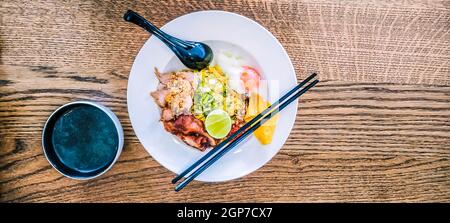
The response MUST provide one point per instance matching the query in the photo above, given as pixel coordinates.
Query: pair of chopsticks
(230, 142)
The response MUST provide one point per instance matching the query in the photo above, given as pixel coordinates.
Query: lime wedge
(218, 124)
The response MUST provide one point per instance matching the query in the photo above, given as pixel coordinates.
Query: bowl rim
(108, 112)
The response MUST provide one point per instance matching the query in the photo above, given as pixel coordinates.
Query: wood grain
(377, 127)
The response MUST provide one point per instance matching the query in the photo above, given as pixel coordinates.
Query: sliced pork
(191, 131)
(175, 91)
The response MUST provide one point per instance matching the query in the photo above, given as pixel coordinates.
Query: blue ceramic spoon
(194, 55)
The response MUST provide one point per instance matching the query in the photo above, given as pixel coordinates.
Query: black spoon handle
(172, 42)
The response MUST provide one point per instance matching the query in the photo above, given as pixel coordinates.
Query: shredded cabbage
(213, 93)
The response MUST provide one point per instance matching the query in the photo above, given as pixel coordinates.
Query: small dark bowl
(51, 155)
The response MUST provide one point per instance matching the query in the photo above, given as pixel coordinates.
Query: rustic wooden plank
(399, 42)
(352, 142)
(293, 175)
(375, 129)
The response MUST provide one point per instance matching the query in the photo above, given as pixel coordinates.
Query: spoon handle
(170, 41)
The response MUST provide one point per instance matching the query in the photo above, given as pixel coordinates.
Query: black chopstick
(243, 128)
(242, 136)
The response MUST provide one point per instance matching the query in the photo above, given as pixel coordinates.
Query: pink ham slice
(160, 97)
(163, 78)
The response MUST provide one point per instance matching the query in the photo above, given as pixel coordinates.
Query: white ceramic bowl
(46, 135)
(218, 29)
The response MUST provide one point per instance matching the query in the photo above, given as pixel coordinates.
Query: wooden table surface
(377, 127)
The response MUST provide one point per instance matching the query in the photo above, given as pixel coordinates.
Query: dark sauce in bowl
(81, 140)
